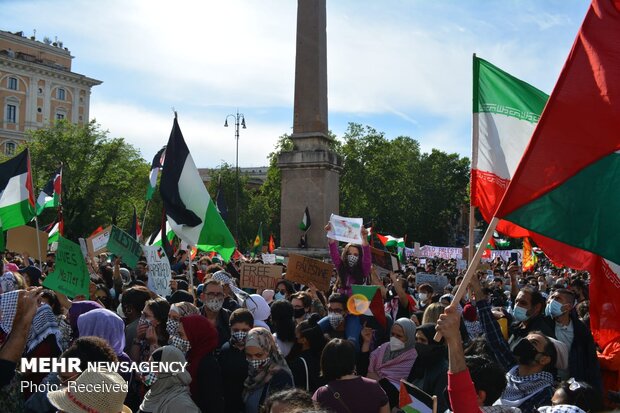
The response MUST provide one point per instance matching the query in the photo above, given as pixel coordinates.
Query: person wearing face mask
(582, 361)
(353, 265)
(392, 361)
(232, 360)
(339, 323)
(177, 336)
(306, 368)
(284, 290)
(213, 298)
(206, 386)
(151, 332)
(529, 364)
(425, 295)
(267, 369)
(528, 315)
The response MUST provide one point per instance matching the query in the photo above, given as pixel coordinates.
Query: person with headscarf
(206, 387)
(107, 325)
(76, 310)
(429, 371)
(267, 369)
(169, 393)
(392, 361)
(175, 337)
(260, 310)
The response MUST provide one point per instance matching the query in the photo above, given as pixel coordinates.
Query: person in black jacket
(566, 327)
(528, 314)
(232, 360)
(306, 368)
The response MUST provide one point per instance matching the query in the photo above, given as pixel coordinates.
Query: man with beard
(213, 298)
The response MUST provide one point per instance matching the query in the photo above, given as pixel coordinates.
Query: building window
(60, 116)
(40, 91)
(60, 94)
(9, 149)
(11, 113)
(13, 83)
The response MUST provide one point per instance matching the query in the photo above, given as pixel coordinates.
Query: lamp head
(226, 123)
(243, 123)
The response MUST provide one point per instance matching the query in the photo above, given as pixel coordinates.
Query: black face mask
(299, 312)
(524, 351)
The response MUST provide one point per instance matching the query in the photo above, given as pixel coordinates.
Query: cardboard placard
(124, 245)
(436, 281)
(159, 272)
(98, 242)
(259, 276)
(384, 259)
(70, 275)
(269, 258)
(24, 239)
(305, 270)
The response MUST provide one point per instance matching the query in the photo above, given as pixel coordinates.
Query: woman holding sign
(353, 264)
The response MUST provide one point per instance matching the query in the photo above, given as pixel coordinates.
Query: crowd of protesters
(515, 342)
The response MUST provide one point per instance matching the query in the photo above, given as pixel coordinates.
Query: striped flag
(50, 195)
(414, 400)
(135, 230)
(190, 211)
(156, 165)
(17, 206)
(305, 223)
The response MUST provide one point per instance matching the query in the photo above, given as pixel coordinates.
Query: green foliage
(102, 178)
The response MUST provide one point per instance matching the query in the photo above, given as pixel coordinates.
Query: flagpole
(474, 164)
(191, 274)
(36, 223)
(473, 265)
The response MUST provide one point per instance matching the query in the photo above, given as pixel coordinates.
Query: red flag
(97, 231)
(272, 244)
(562, 190)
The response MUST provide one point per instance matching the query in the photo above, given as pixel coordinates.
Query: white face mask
(396, 344)
(422, 296)
(335, 319)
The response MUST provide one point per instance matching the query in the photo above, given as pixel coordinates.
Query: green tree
(102, 177)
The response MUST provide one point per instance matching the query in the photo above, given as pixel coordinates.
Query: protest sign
(24, 239)
(436, 281)
(259, 276)
(416, 249)
(447, 253)
(70, 275)
(159, 272)
(124, 245)
(98, 242)
(83, 247)
(345, 229)
(461, 264)
(384, 259)
(306, 270)
(269, 258)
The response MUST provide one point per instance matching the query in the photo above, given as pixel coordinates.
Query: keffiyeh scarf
(520, 389)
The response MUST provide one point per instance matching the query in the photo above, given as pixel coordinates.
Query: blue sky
(401, 66)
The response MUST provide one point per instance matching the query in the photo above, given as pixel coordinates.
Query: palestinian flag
(135, 231)
(53, 233)
(564, 190)
(156, 165)
(257, 245)
(191, 213)
(368, 298)
(156, 239)
(305, 223)
(272, 244)
(414, 400)
(50, 195)
(506, 111)
(389, 241)
(17, 205)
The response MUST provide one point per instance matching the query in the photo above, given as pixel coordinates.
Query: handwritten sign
(70, 275)
(269, 258)
(345, 229)
(436, 281)
(124, 245)
(98, 242)
(447, 253)
(159, 270)
(259, 276)
(305, 270)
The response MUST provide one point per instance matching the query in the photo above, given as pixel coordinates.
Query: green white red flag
(17, 205)
(565, 188)
(50, 194)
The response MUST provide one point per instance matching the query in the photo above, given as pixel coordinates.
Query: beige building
(37, 87)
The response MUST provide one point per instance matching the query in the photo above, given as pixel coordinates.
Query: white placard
(159, 272)
(345, 229)
(461, 264)
(269, 258)
(83, 247)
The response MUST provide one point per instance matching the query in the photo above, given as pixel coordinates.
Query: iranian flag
(367, 299)
(190, 211)
(16, 196)
(156, 165)
(50, 195)
(506, 111)
(565, 189)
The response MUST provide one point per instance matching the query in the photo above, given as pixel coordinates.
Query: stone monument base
(318, 253)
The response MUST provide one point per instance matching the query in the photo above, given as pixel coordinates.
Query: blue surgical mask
(279, 296)
(519, 313)
(554, 309)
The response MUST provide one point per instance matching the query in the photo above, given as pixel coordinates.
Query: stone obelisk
(311, 171)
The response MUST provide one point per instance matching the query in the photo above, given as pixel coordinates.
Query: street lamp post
(239, 120)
